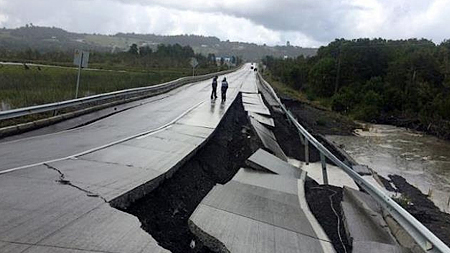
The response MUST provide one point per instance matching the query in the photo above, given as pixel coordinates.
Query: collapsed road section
(164, 212)
(64, 204)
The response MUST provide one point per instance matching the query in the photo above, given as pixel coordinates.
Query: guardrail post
(301, 138)
(420, 234)
(289, 121)
(324, 168)
(306, 151)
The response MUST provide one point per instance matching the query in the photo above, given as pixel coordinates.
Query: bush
(344, 100)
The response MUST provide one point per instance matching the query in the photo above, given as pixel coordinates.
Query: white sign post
(194, 64)
(81, 59)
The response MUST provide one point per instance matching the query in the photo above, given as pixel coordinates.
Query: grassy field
(20, 87)
(290, 92)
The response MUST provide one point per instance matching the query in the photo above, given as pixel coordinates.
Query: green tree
(133, 49)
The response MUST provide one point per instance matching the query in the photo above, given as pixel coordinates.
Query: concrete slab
(249, 86)
(256, 212)
(362, 223)
(104, 229)
(46, 214)
(261, 109)
(268, 206)
(48, 249)
(268, 139)
(265, 180)
(207, 115)
(263, 160)
(32, 209)
(262, 119)
(266, 93)
(362, 169)
(107, 179)
(336, 176)
(176, 134)
(138, 157)
(376, 247)
(251, 95)
(7, 247)
(228, 232)
(251, 98)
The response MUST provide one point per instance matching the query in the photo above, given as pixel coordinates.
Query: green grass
(290, 92)
(20, 87)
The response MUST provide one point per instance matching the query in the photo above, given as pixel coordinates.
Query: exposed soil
(387, 184)
(322, 199)
(423, 209)
(320, 121)
(289, 139)
(438, 128)
(317, 196)
(164, 213)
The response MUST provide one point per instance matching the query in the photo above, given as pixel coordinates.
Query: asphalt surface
(153, 115)
(59, 192)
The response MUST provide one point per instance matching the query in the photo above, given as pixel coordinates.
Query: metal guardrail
(10, 114)
(424, 237)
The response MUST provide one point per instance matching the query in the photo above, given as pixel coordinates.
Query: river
(423, 160)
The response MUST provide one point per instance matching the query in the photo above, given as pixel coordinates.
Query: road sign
(193, 62)
(81, 58)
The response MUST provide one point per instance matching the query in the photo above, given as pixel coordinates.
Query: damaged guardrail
(424, 237)
(15, 113)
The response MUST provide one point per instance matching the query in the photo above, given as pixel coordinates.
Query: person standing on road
(224, 89)
(214, 88)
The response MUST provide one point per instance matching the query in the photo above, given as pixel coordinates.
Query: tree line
(401, 82)
(165, 56)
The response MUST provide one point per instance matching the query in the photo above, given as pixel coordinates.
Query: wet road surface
(35, 150)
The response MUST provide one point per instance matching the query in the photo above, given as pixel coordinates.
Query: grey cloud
(313, 21)
(322, 20)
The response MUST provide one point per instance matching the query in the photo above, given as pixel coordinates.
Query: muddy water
(423, 160)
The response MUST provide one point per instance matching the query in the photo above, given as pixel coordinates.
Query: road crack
(62, 180)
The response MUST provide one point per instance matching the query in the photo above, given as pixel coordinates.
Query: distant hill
(47, 39)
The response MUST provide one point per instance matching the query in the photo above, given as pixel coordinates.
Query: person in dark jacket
(214, 88)
(224, 89)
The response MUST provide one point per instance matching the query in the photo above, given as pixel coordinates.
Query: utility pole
(338, 72)
(445, 63)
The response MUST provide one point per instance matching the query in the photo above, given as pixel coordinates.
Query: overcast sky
(302, 22)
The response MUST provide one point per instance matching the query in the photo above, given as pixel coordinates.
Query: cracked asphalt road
(44, 148)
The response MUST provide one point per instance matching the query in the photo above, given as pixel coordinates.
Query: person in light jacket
(224, 89)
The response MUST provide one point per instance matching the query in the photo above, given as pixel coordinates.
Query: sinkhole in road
(165, 211)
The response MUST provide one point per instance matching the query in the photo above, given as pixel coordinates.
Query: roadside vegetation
(27, 85)
(405, 82)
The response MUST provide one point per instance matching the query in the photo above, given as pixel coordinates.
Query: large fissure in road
(164, 212)
(324, 201)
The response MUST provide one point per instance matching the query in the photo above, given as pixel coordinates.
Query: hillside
(47, 39)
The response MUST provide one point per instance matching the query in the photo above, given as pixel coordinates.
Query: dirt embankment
(164, 213)
(423, 209)
(323, 200)
(438, 128)
(322, 122)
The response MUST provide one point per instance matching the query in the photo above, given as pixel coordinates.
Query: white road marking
(106, 145)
